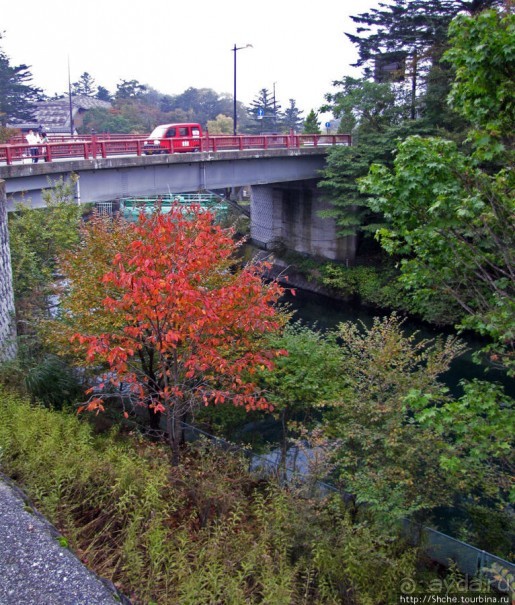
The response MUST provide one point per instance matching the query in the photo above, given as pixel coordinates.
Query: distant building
(53, 117)
(390, 67)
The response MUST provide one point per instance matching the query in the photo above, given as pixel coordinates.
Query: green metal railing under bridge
(131, 207)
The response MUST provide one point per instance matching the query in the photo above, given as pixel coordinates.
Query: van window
(183, 132)
(195, 132)
(170, 132)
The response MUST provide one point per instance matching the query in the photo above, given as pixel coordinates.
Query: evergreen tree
(292, 119)
(17, 96)
(409, 38)
(129, 89)
(376, 116)
(311, 123)
(263, 111)
(103, 94)
(85, 85)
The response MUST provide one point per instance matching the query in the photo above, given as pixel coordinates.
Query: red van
(173, 138)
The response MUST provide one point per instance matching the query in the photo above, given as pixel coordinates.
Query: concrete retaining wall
(7, 324)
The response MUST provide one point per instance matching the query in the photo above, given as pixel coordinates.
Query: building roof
(54, 116)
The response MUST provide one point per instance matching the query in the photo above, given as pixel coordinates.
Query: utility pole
(235, 49)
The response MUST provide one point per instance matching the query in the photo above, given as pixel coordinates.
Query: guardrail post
(8, 156)
(93, 144)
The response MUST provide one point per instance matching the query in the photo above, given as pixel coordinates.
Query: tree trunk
(414, 87)
(174, 417)
(154, 419)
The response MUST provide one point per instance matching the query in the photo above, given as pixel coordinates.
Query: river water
(325, 313)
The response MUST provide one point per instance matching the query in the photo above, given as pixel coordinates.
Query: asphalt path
(36, 567)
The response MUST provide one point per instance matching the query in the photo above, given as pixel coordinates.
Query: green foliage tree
(221, 125)
(38, 236)
(483, 57)
(451, 218)
(385, 459)
(301, 381)
(478, 430)
(404, 445)
(311, 123)
(17, 95)
(454, 227)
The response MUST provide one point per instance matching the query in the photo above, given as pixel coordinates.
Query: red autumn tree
(188, 323)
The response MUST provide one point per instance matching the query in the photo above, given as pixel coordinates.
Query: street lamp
(235, 50)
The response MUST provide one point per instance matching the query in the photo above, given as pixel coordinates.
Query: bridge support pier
(7, 323)
(287, 214)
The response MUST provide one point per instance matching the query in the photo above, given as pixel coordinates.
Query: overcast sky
(172, 45)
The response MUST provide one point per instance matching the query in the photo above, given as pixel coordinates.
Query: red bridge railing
(103, 146)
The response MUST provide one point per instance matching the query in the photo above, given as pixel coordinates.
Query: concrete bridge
(285, 201)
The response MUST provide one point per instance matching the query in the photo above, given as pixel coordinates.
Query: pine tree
(292, 119)
(103, 94)
(17, 97)
(85, 85)
(264, 112)
(407, 39)
(311, 123)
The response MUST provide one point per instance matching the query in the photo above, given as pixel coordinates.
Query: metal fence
(439, 547)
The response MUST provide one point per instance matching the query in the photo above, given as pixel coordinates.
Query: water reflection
(324, 313)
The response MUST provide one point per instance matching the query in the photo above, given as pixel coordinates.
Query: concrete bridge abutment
(7, 319)
(288, 214)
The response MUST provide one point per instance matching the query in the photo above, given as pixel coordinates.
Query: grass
(205, 532)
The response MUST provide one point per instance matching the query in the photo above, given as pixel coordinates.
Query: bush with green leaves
(380, 286)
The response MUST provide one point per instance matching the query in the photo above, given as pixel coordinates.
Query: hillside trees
(170, 315)
(138, 109)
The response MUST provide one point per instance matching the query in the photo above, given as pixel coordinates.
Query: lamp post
(235, 49)
(70, 100)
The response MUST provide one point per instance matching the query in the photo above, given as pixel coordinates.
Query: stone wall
(7, 325)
